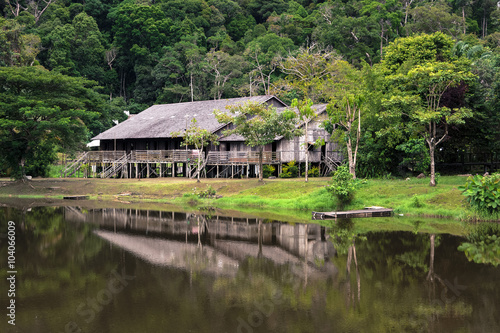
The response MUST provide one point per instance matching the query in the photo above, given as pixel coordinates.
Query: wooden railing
(191, 156)
(105, 156)
(163, 155)
(242, 157)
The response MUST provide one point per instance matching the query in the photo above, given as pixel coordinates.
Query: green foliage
(484, 244)
(209, 192)
(181, 50)
(290, 170)
(16, 47)
(415, 202)
(419, 72)
(259, 124)
(483, 194)
(313, 172)
(41, 110)
(268, 170)
(39, 160)
(343, 186)
(418, 49)
(416, 157)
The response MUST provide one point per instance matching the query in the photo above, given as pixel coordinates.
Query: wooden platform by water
(367, 212)
(77, 197)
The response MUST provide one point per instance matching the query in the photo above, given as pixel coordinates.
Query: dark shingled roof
(159, 121)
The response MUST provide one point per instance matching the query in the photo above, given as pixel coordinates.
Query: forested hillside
(144, 52)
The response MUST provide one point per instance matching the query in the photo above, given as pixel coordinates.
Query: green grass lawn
(410, 197)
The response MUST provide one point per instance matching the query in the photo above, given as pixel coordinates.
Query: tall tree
(34, 7)
(434, 17)
(388, 14)
(259, 124)
(419, 71)
(311, 73)
(40, 109)
(306, 114)
(223, 67)
(346, 113)
(431, 81)
(420, 104)
(263, 54)
(16, 47)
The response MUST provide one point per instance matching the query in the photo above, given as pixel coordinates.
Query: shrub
(209, 192)
(415, 202)
(290, 170)
(343, 185)
(268, 170)
(312, 172)
(416, 157)
(483, 194)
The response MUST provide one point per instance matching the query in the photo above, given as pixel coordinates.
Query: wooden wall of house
(293, 149)
(142, 144)
(239, 146)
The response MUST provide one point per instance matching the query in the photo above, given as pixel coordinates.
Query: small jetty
(77, 197)
(367, 212)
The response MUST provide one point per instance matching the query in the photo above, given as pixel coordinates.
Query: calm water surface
(119, 270)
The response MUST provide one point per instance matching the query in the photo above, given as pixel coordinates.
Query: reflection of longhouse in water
(224, 240)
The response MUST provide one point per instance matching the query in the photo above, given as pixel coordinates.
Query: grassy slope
(407, 197)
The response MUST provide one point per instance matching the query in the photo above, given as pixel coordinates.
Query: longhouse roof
(159, 121)
(318, 110)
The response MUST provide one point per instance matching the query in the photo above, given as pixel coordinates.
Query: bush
(312, 172)
(415, 202)
(290, 170)
(209, 192)
(268, 170)
(416, 156)
(483, 194)
(343, 186)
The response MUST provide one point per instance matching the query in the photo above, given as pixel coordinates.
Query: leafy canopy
(41, 109)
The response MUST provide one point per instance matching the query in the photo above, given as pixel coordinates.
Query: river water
(128, 270)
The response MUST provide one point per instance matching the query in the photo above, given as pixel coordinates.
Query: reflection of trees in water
(483, 245)
(52, 259)
(344, 238)
(351, 299)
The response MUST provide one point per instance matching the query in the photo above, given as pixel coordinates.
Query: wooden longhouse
(143, 145)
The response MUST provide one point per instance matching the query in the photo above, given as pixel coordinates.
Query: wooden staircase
(330, 165)
(117, 166)
(75, 165)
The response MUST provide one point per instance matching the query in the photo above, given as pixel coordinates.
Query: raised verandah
(176, 163)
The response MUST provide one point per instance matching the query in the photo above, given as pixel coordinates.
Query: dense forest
(128, 55)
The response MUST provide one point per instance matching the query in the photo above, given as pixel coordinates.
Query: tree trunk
(307, 153)
(463, 18)
(191, 85)
(352, 165)
(432, 148)
(199, 165)
(23, 171)
(261, 174)
(381, 38)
